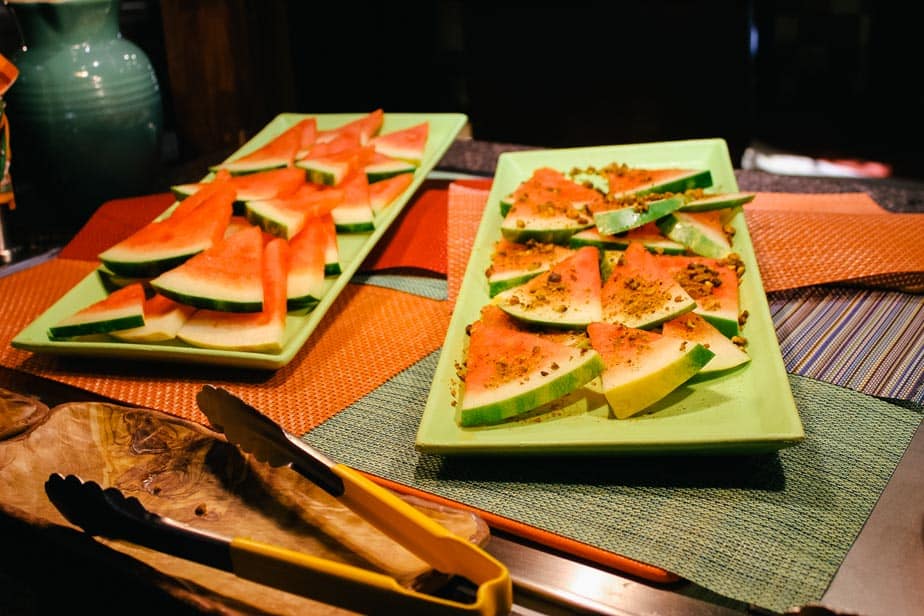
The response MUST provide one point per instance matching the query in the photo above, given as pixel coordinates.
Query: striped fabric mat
(866, 340)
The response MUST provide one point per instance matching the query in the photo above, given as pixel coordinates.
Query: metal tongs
(108, 513)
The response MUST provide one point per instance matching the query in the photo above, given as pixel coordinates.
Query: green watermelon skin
(642, 367)
(121, 309)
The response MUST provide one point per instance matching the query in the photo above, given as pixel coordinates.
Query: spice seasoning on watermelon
(647, 295)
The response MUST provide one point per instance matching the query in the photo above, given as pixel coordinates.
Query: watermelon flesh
(548, 207)
(279, 152)
(259, 185)
(306, 280)
(713, 284)
(354, 213)
(640, 293)
(514, 263)
(407, 144)
(695, 328)
(364, 128)
(384, 192)
(121, 309)
(260, 332)
(567, 295)
(509, 371)
(285, 216)
(642, 367)
(162, 245)
(227, 276)
(623, 180)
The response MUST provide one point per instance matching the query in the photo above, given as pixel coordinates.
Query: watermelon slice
(384, 192)
(162, 245)
(713, 284)
(259, 332)
(285, 216)
(634, 214)
(642, 367)
(623, 180)
(383, 167)
(121, 309)
(365, 128)
(695, 328)
(547, 185)
(514, 263)
(331, 169)
(203, 193)
(163, 318)
(648, 235)
(354, 212)
(306, 281)
(546, 210)
(640, 293)
(566, 296)
(509, 371)
(704, 233)
(407, 144)
(253, 186)
(226, 277)
(332, 265)
(279, 152)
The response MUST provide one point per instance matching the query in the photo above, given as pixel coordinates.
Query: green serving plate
(354, 247)
(749, 410)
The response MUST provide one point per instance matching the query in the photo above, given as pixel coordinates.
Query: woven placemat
(869, 340)
(369, 334)
(769, 530)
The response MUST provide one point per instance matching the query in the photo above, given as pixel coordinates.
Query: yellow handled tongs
(445, 551)
(107, 512)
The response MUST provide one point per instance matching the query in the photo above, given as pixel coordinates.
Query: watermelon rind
(593, 237)
(232, 332)
(102, 319)
(666, 363)
(717, 202)
(699, 238)
(574, 370)
(382, 170)
(695, 328)
(274, 217)
(354, 218)
(552, 229)
(320, 171)
(252, 166)
(112, 281)
(505, 204)
(157, 328)
(619, 220)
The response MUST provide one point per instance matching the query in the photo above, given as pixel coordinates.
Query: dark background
(825, 78)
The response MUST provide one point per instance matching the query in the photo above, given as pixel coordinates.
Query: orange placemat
(369, 334)
(803, 240)
(799, 239)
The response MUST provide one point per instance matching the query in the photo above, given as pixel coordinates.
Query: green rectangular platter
(354, 247)
(747, 411)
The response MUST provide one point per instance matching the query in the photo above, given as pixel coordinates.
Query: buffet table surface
(832, 523)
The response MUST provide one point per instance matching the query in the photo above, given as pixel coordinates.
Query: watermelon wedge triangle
(261, 332)
(226, 277)
(279, 152)
(407, 144)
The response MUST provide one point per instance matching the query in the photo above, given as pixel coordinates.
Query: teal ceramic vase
(86, 110)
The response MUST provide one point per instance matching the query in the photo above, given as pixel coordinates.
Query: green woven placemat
(770, 530)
